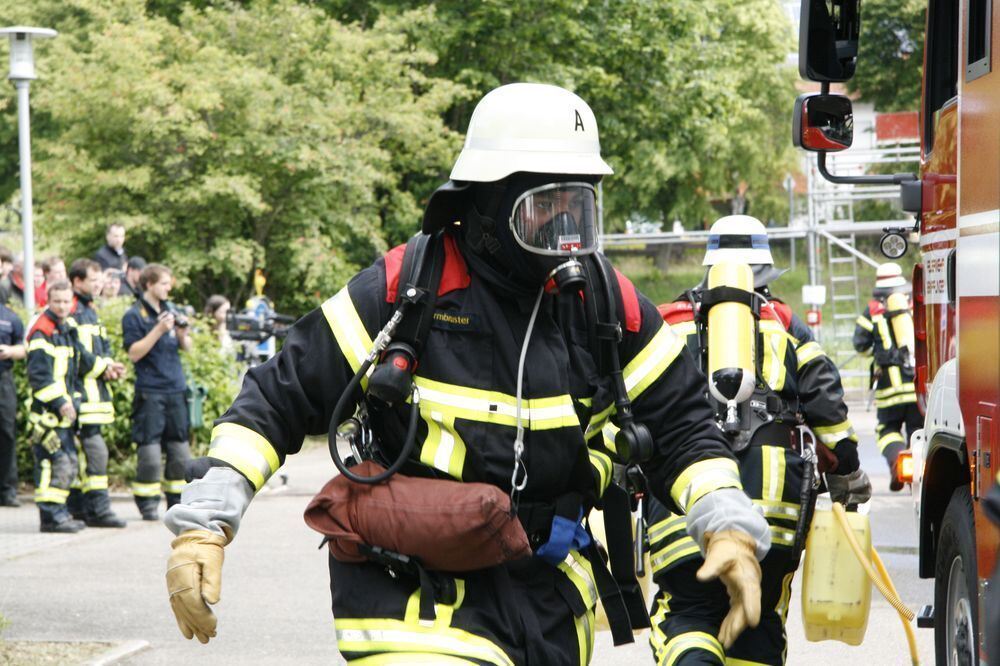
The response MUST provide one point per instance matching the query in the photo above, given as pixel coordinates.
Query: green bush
(205, 365)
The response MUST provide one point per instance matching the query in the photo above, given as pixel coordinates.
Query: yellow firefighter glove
(194, 580)
(730, 557)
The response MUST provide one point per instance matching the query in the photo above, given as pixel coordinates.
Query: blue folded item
(566, 535)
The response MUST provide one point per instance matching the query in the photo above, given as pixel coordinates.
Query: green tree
(891, 54)
(691, 95)
(271, 137)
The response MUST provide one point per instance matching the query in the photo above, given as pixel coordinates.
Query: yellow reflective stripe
(887, 439)
(51, 495)
(49, 393)
(896, 400)
(387, 635)
(140, 489)
(692, 640)
(443, 448)
(100, 365)
(896, 377)
(577, 568)
(666, 527)
(775, 343)
(684, 328)
(348, 329)
(442, 612)
(782, 536)
(247, 451)
(773, 464)
(786, 594)
(652, 361)
(599, 421)
(94, 483)
(666, 556)
(832, 434)
(36, 344)
(780, 510)
(45, 476)
(865, 323)
(703, 477)
(879, 322)
(496, 407)
(658, 639)
(407, 658)
(808, 352)
(173, 486)
(584, 636)
(602, 465)
(899, 389)
(96, 408)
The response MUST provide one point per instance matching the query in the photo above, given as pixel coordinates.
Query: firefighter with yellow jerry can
(776, 392)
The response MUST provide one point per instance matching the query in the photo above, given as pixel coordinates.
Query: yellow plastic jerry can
(836, 592)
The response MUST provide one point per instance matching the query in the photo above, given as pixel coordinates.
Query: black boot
(68, 526)
(99, 513)
(891, 455)
(148, 507)
(76, 505)
(172, 499)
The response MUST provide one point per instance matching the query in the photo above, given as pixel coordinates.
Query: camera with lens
(181, 315)
(250, 327)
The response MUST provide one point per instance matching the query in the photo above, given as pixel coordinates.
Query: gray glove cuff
(853, 488)
(728, 509)
(217, 500)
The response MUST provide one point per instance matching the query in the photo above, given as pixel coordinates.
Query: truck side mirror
(911, 196)
(823, 122)
(828, 39)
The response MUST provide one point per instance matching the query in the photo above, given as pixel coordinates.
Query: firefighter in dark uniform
(54, 358)
(90, 500)
(892, 367)
(802, 385)
(153, 335)
(524, 190)
(12, 349)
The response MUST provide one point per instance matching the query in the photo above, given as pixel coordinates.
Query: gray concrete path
(108, 585)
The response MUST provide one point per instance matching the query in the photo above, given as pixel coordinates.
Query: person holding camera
(154, 333)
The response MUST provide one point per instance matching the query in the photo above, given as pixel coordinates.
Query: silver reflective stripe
(400, 638)
(578, 569)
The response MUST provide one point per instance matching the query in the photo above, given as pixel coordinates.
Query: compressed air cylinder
(902, 323)
(731, 338)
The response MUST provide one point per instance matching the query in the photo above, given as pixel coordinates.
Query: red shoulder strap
(454, 275)
(43, 325)
(76, 305)
(676, 312)
(875, 307)
(630, 303)
(783, 312)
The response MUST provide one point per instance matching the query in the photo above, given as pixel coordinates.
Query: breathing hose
(880, 579)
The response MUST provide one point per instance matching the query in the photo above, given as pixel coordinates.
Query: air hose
(880, 579)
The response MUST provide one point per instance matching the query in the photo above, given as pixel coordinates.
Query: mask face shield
(556, 220)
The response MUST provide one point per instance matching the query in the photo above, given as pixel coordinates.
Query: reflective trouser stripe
(831, 434)
(387, 635)
(246, 450)
(442, 612)
(94, 483)
(657, 639)
(585, 635)
(692, 640)
(886, 440)
(773, 468)
(173, 486)
(579, 571)
(786, 594)
(408, 658)
(703, 477)
(140, 489)
(45, 492)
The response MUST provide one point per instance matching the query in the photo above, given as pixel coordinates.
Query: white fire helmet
(533, 128)
(740, 239)
(889, 276)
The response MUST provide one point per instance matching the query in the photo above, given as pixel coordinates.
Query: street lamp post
(22, 72)
(790, 188)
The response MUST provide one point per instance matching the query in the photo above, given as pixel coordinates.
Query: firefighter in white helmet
(510, 395)
(794, 384)
(885, 330)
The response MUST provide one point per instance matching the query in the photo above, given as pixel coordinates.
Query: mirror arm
(888, 179)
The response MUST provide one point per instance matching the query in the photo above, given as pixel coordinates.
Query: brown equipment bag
(446, 525)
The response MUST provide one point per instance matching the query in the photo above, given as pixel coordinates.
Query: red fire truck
(956, 199)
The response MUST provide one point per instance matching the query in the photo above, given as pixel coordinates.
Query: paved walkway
(108, 585)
